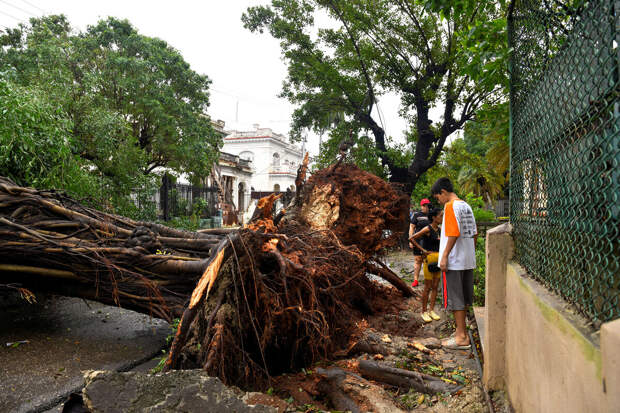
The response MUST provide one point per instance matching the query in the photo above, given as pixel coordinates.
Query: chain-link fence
(565, 148)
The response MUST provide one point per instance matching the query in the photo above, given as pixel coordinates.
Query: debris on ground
(285, 306)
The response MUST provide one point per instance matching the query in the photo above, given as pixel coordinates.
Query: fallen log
(349, 392)
(49, 242)
(286, 287)
(405, 379)
(253, 302)
(391, 277)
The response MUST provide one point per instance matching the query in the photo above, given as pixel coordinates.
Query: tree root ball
(361, 209)
(285, 297)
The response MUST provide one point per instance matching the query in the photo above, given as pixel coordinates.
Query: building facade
(274, 159)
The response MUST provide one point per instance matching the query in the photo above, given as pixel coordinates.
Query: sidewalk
(65, 337)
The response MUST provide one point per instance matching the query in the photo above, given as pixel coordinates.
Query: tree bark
(405, 379)
(253, 302)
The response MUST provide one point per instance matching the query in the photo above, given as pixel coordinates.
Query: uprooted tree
(279, 294)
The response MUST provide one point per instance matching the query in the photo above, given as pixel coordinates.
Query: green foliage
(189, 223)
(363, 154)
(140, 205)
(343, 56)
(125, 105)
(199, 207)
(480, 273)
(477, 163)
(477, 205)
(35, 142)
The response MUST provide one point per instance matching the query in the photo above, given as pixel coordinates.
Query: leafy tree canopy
(478, 163)
(33, 143)
(132, 102)
(343, 55)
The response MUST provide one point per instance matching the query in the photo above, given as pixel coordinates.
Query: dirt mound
(289, 292)
(360, 208)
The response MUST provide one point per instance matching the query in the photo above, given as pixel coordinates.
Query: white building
(274, 159)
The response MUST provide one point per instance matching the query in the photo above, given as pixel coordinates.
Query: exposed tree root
(293, 292)
(405, 379)
(277, 295)
(49, 242)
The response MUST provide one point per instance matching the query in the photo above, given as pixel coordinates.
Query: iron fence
(181, 200)
(565, 148)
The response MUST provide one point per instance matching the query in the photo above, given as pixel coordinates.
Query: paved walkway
(66, 336)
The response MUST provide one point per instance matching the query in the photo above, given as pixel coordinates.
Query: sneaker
(434, 315)
(414, 283)
(426, 317)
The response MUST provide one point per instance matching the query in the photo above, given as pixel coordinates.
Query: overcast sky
(246, 68)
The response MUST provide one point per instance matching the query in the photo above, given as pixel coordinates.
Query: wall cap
(501, 229)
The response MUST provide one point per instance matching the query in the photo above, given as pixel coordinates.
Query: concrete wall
(537, 350)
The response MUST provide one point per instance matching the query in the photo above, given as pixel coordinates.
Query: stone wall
(538, 350)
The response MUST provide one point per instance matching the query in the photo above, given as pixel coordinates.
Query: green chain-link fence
(565, 148)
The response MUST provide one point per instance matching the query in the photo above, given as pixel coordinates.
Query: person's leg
(434, 287)
(456, 303)
(426, 317)
(427, 288)
(434, 284)
(417, 265)
(461, 337)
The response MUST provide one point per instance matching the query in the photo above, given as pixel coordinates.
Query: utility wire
(33, 6)
(239, 96)
(12, 17)
(18, 8)
(380, 116)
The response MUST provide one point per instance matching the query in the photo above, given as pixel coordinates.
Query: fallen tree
(279, 294)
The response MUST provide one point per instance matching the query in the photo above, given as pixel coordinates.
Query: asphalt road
(65, 337)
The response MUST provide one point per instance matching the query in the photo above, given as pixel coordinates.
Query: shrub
(479, 273)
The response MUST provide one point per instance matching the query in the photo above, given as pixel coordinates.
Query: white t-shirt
(458, 221)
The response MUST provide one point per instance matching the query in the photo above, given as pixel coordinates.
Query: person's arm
(443, 263)
(411, 230)
(417, 235)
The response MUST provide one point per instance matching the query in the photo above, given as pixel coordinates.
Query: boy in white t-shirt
(457, 258)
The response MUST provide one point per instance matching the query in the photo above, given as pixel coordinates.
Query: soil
(398, 328)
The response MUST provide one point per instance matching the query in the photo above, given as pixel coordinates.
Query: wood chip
(420, 347)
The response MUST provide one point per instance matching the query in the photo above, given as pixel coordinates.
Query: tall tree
(33, 143)
(433, 54)
(133, 102)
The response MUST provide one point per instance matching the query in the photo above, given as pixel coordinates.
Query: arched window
(276, 159)
(276, 188)
(247, 155)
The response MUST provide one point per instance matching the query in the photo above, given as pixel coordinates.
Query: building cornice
(246, 139)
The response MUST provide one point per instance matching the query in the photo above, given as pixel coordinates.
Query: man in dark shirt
(418, 221)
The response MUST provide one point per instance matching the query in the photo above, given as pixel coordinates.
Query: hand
(411, 245)
(425, 252)
(443, 264)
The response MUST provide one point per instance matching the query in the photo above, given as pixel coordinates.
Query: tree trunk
(253, 302)
(405, 379)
